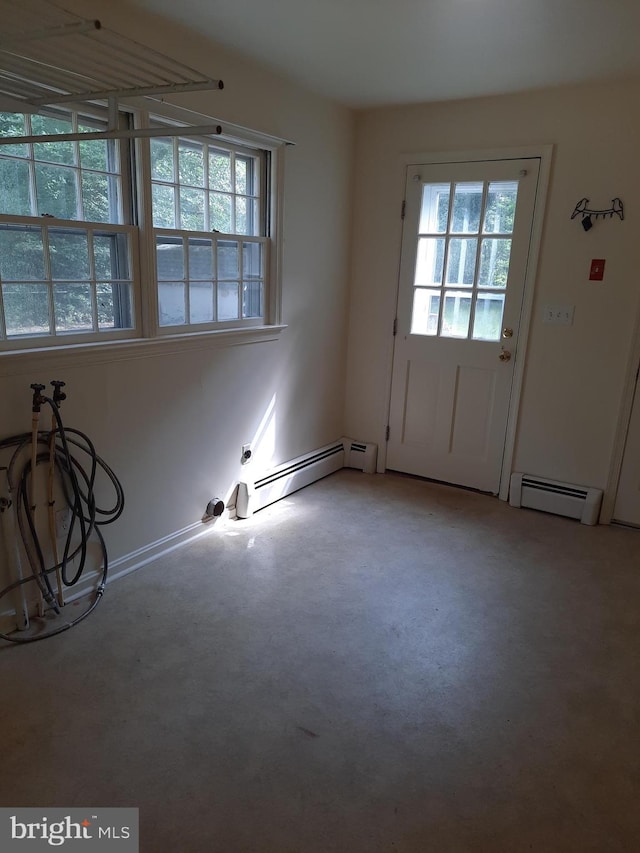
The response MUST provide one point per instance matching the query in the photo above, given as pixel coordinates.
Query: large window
(200, 187)
(75, 266)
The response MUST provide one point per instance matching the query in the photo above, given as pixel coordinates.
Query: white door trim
(624, 419)
(545, 154)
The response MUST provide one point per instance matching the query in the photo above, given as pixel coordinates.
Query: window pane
(455, 316)
(191, 163)
(244, 225)
(115, 308)
(93, 154)
(72, 307)
(69, 255)
(429, 261)
(244, 184)
(501, 207)
(12, 124)
(220, 170)
(252, 299)
(220, 213)
(26, 309)
(461, 263)
(201, 302)
(56, 191)
(467, 202)
(21, 253)
(228, 259)
(487, 323)
(171, 303)
(100, 198)
(111, 256)
(435, 208)
(14, 180)
(191, 209)
(494, 263)
(162, 160)
(424, 318)
(52, 152)
(164, 214)
(228, 300)
(200, 260)
(170, 258)
(252, 260)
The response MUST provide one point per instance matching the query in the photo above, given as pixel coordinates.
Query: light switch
(560, 315)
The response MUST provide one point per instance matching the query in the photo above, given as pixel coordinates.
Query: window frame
(136, 203)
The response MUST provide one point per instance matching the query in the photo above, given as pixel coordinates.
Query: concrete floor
(374, 664)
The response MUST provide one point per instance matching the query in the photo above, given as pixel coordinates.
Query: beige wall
(575, 374)
(172, 424)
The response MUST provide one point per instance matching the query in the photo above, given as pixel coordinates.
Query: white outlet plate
(559, 315)
(63, 520)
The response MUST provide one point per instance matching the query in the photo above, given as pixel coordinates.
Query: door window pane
(461, 263)
(429, 261)
(467, 203)
(424, 317)
(494, 263)
(501, 207)
(487, 323)
(456, 313)
(435, 208)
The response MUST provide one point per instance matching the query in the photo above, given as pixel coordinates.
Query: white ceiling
(373, 52)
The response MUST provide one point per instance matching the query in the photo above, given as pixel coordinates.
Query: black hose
(86, 516)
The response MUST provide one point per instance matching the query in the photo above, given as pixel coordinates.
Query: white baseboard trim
(124, 566)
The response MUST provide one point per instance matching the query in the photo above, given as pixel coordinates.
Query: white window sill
(21, 361)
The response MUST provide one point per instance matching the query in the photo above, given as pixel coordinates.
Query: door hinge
(387, 433)
(404, 208)
(395, 327)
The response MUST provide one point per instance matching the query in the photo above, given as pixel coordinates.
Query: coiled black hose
(78, 482)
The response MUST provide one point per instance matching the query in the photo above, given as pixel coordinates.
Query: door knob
(507, 333)
(505, 355)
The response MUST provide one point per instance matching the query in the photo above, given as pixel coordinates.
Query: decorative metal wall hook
(586, 212)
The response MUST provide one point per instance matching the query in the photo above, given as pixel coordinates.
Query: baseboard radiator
(300, 472)
(579, 502)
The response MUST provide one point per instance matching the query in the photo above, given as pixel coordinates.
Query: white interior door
(627, 505)
(465, 249)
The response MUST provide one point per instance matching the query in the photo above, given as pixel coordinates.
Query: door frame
(622, 429)
(545, 154)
